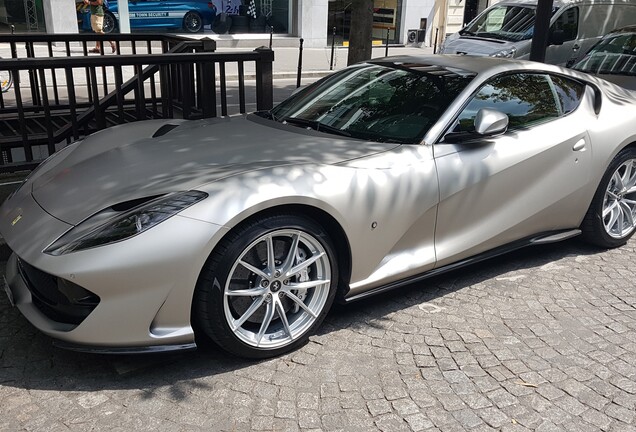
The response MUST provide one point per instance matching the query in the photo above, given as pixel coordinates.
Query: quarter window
(569, 93)
(527, 99)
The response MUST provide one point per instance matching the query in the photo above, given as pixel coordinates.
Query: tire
(611, 219)
(6, 81)
(255, 303)
(221, 24)
(192, 22)
(110, 23)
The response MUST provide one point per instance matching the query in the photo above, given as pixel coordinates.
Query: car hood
(475, 46)
(126, 162)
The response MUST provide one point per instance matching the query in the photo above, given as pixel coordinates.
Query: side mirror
(490, 122)
(557, 37)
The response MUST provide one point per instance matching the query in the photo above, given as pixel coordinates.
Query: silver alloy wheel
(619, 203)
(277, 288)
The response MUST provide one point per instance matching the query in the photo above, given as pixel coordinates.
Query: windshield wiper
(315, 125)
(466, 33)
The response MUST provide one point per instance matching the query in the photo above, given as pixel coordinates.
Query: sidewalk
(316, 61)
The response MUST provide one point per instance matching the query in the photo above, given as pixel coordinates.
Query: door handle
(579, 146)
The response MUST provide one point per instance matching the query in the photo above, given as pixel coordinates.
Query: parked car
(189, 15)
(246, 229)
(613, 58)
(506, 28)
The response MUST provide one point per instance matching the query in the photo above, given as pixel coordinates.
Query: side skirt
(544, 238)
(153, 349)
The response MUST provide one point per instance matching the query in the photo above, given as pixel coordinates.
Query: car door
(148, 13)
(567, 23)
(529, 180)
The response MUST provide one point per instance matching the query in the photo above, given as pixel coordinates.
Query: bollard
(386, 51)
(333, 48)
(12, 29)
(435, 43)
(271, 36)
(300, 62)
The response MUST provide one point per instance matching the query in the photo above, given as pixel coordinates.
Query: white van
(505, 29)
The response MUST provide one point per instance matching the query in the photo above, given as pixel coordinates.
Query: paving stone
(501, 398)
(493, 416)
(467, 418)
(391, 423)
(419, 422)
(542, 340)
(378, 406)
(620, 413)
(597, 419)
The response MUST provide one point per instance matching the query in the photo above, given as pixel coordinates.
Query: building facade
(318, 22)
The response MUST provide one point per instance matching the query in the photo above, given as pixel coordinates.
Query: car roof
(485, 67)
(627, 29)
(464, 64)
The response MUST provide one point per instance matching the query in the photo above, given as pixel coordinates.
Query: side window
(527, 99)
(568, 22)
(569, 93)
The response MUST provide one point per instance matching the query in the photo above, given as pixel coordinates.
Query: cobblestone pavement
(543, 339)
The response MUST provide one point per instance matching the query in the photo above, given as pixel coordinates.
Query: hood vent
(164, 130)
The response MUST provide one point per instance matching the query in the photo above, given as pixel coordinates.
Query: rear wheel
(110, 23)
(267, 286)
(611, 218)
(192, 22)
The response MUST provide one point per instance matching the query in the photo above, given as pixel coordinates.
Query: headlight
(507, 53)
(124, 226)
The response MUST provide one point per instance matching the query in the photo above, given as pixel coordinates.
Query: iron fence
(58, 97)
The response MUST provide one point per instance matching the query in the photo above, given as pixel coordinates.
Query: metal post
(386, 51)
(300, 62)
(264, 80)
(124, 16)
(541, 30)
(271, 36)
(435, 43)
(12, 29)
(333, 47)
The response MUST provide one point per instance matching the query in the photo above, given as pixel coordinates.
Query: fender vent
(164, 130)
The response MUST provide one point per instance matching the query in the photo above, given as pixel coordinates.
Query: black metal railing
(59, 95)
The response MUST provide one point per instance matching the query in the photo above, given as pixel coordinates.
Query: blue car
(190, 15)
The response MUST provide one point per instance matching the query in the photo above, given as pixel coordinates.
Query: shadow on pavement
(28, 361)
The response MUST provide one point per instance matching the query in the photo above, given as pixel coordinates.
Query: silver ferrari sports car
(244, 230)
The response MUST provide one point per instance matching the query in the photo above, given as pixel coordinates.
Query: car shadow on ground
(28, 360)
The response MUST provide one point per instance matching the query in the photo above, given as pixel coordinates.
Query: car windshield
(377, 102)
(510, 23)
(613, 55)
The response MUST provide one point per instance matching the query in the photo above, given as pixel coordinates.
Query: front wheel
(267, 287)
(192, 22)
(611, 218)
(110, 23)
(6, 80)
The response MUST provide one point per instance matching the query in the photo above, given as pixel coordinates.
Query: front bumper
(141, 288)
